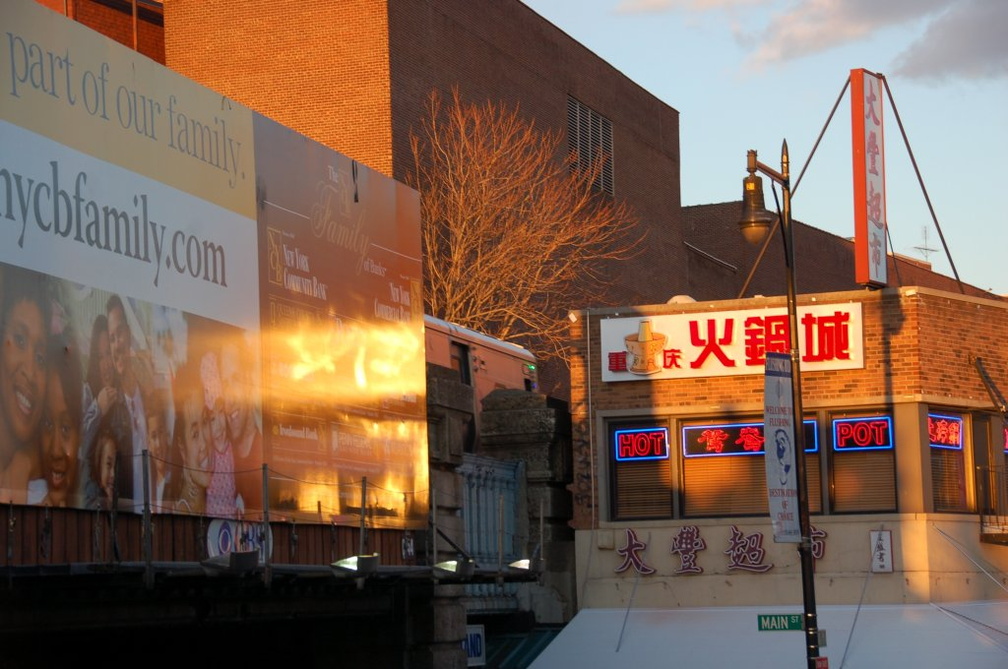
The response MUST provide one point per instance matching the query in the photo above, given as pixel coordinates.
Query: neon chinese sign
(869, 433)
(728, 343)
(945, 431)
(647, 443)
(701, 441)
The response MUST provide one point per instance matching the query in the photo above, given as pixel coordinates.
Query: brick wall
(320, 68)
(114, 19)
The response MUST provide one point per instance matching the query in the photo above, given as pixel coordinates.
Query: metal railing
(992, 499)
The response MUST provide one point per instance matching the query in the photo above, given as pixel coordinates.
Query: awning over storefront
(961, 635)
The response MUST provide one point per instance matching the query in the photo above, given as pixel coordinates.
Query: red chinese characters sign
(726, 343)
(869, 179)
(745, 551)
(728, 439)
(945, 431)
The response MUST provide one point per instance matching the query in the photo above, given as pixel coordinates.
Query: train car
(481, 361)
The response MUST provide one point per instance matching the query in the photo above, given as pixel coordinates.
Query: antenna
(925, 250)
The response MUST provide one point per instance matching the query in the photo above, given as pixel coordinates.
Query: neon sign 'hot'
(649, 443)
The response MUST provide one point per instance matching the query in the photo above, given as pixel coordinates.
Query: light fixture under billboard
(463, 568)
(235, 563)
(361, 565)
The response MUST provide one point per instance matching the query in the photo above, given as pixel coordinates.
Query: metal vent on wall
(590, 138)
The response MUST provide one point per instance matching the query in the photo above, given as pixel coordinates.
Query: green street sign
(779, 622)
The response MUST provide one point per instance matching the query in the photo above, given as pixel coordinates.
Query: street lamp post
(754, 225)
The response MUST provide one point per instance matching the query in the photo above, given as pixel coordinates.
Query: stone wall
(535, 429)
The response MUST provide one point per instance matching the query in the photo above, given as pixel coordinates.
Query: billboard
(189, 289)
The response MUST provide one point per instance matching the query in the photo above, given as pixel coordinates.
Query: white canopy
(970, 635)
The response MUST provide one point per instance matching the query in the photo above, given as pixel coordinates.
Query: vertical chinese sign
(869, 179)
(779, 450)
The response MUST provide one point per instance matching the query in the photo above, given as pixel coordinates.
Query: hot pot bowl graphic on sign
(642, 348)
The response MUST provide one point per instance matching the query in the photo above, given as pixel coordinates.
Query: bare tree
(513, 237)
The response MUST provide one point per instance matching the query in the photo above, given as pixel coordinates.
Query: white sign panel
(779, 449)
(475, 645)
(727, 343)
(94, 223)
(881, 547)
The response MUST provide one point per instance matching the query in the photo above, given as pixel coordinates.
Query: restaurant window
(1000, 429)
(863, 466)
(642, 473)
(948, 462)
(724, 473)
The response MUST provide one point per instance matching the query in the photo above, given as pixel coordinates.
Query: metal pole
(266, 546)
(541, 560)
(434, 527)
(500, 532)
(363, 506)
(805, 547)
(135, 25)
(147, 526)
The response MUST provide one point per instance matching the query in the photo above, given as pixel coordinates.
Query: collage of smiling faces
(90, 381)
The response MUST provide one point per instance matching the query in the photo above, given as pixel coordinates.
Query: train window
(460, 362)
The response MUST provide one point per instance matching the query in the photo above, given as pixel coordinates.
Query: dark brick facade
(720, 260)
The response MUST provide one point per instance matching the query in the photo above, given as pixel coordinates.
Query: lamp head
(756, 220)
(461, 568)
(361, 565)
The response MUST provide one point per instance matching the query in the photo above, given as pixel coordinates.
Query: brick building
(906, 447)
(355, 75)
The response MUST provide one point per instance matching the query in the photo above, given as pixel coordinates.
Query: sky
(751, 74)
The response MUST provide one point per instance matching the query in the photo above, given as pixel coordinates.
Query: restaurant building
(905, 450)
